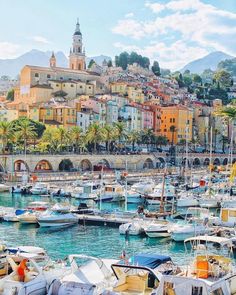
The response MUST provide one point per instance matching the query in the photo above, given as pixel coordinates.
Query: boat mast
(209, 184)
(162, 209)
(101, 185)
(126, 174)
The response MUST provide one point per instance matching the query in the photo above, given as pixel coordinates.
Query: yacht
(169, 195)
(39, 188)
(111, 193)
(54, 219)
(87, 275)
(86, 191)
(206, 274)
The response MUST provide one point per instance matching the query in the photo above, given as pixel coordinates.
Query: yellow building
(38, 84)
(176, 122)
(135, 94)
(118, 87)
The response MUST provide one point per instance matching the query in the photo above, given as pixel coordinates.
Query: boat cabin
(228, 216)
(141, 273)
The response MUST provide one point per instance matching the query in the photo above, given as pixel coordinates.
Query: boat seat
(135, 283)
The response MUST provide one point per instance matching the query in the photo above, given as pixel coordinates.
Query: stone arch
(196, 162)
(20, 165)
(216, 162)
(86, 165)
(225, 161)
(148, 164)
(184, 162)
(206, 162)
(160, 163)
(43, 165)
(65, 165)
(102, 163)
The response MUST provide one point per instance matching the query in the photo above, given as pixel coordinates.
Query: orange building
(176, 122)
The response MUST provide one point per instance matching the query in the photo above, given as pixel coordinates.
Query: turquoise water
(100, 241)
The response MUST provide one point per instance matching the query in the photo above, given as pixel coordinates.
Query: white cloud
(9, 50)
(129, 15)
(199, 28)
(40, 39)
(172, 57)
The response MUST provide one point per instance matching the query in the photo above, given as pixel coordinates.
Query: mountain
(98, 59)
(209, 61)
(12, 67)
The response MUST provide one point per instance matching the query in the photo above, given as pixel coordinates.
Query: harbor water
(99, 241)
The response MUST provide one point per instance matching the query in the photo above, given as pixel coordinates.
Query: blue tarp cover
(148, 260)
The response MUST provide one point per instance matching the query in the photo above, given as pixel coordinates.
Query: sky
(174, 32)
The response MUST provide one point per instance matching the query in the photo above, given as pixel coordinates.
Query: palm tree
(148, 136)
(161, 140)
(63, 136)
(75, 134)
(133, 137)
(120, 130)
(50, 140)
(25, 131)
(6, 134)
(109, 135)
(94, 134)
(216, 132)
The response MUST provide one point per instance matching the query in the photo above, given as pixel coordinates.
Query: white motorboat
(54, 219)
(28, 217)
(133, 228)
(11, 217)
(195, 224)
(91, 277)
(39, 188)
(61, 208)
(4, 188)
(86, 191)
(143, 187)
(158, 229)
(155, 197)
(38, 206)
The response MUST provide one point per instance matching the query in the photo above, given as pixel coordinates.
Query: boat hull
(56, 224)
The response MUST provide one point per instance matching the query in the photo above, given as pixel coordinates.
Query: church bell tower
(77, 54)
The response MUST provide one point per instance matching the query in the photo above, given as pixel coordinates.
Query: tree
(94, 134)
(10, 95)
(148, 136)
(25, 131)
(197, 79)
(75, 134)
(122, 60)
(120, 130)
(91, 62)
(161, 140)
(165, 72)
(38, 126)
(156, 68)
(63, 136)
(109, 64)
(50, 140)
(109, 135)
(6, 134)
(228, 65)
(133, 137)
(223, 78)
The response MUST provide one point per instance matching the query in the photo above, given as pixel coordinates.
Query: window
(64, 85)
(170, 120)
(196, 290)
(218, 291)
(36, 75)
(71, 85)
(57, 85)
(165, 130)
(173, 120)
(80, 123)
(89, 87)
(61, 78)
(81, 87)
(48, 76)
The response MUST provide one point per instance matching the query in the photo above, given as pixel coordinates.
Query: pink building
(147, 117)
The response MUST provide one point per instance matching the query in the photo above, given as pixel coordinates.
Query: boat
(133, 228)
(61, 208)
(158, 229)
(4, 188)
(111, 193)
(39, 188)
(143, 187)
(28, 217)
(187, 200)
(83, 209)
(61, 193)
(91, 276)
(207, 273)
(227, 217)
(21, 189)
(54, 219)
(11, 216)
(169, 195)
(195, 224)
(38, 206)
(141, 274)
(86, 191)
(134, 197)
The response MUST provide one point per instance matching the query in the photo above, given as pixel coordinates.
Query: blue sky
(172, 31)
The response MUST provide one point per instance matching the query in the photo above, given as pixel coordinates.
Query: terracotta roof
(41, 86)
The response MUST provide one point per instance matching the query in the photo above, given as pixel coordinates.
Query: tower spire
(77, 28)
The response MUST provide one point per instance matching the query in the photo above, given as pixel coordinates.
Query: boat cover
(148, 260)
